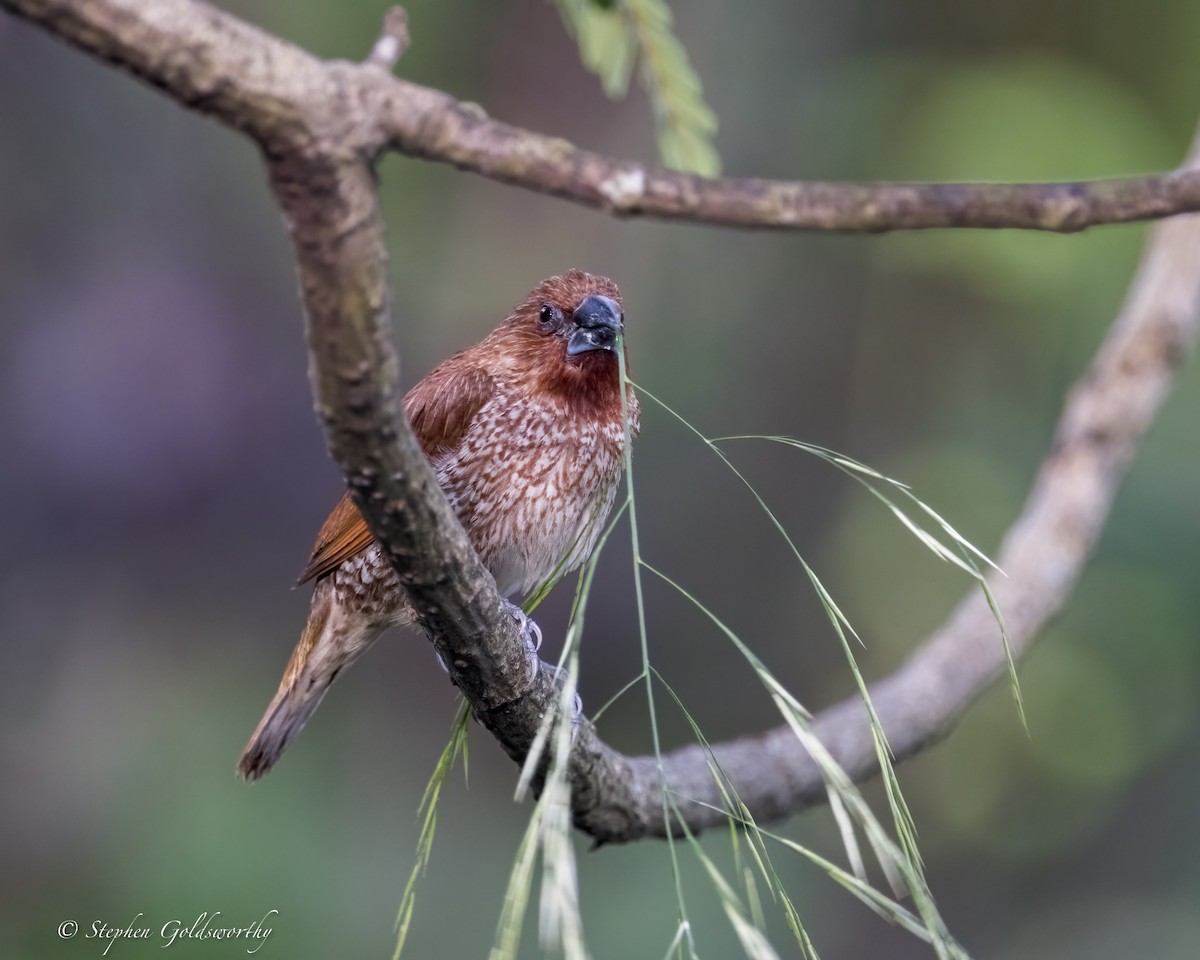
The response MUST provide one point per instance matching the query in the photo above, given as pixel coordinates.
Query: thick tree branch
(320, 125)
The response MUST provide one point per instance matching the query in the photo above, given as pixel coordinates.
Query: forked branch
(321, 125)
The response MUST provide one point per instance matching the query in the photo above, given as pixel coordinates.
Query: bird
(526, 433)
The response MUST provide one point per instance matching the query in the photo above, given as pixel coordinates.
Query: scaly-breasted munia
(525, 435)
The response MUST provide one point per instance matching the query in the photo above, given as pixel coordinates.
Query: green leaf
(607, 45)
(613, 35)
(686, 123)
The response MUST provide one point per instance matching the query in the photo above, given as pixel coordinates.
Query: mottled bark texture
(321, 125)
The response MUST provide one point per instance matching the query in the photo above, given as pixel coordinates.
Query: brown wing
(343, 534)
(440, 408)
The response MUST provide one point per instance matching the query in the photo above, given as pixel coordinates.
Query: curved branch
(261, 85)
(1043, 554)
(321, 124)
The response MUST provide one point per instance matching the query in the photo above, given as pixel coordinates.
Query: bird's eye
(549, 317)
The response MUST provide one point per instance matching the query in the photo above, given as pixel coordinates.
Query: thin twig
(392, 42)
(277, 94)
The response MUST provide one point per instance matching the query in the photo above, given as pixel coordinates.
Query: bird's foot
(533, 643)
(532, 634)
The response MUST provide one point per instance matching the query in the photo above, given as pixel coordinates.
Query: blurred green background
(164, 477)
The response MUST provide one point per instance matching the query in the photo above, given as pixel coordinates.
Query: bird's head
(567, 331)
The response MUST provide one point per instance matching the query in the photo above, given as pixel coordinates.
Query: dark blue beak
(598, 322)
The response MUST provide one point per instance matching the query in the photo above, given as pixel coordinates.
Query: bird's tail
(328, 644)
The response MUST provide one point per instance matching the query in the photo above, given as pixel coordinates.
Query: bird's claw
(576, 706)
(576, 716)
(532, 634)
(441, 660)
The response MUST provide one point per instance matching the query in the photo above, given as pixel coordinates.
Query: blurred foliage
(612, 35)
(1026, 117)
(165, 475)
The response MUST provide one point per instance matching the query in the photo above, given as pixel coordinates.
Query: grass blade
(429, 803)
